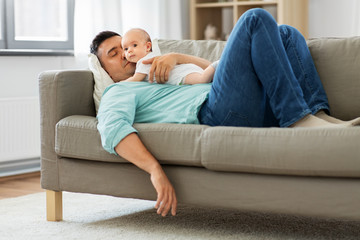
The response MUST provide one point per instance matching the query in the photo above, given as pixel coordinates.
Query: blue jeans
(266, 77)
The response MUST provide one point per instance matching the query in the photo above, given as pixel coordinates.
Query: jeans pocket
(235, 119)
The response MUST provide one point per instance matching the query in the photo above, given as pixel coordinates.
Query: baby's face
(135, 46)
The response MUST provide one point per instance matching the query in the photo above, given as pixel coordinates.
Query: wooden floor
(19, 185)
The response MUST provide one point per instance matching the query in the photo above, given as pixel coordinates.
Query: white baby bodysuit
(177, 74)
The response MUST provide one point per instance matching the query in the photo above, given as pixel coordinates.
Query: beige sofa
(314, 172)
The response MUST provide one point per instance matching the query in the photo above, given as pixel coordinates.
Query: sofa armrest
(62, 93)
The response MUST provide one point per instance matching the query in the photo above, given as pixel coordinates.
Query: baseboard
(16, 167)
(20, 176)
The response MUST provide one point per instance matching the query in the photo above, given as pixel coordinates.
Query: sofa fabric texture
(322, 163)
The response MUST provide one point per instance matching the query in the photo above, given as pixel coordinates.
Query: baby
(138, 47)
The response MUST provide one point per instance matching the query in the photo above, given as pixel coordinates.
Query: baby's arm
(137, 77)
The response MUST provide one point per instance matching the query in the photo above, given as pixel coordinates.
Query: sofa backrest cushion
(338, 63)
(207, 49)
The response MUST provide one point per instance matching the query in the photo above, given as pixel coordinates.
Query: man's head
(107, 47)
(136, 44)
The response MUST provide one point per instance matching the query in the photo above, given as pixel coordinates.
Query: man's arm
(132, 149)
(115, 118)
(162, 65)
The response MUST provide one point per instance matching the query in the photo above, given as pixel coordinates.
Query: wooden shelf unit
(204, 12)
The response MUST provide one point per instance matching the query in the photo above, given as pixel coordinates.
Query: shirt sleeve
(116, 116)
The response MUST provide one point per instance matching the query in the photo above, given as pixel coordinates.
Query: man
(107, 47)
(259, 82)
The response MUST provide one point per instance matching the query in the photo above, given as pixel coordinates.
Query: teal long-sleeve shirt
(125, 103)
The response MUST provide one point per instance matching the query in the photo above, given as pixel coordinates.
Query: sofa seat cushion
(78, 137)
(300, 151)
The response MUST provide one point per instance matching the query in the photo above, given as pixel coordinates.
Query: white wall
(334, 18)
(19, 75)
(20, 109)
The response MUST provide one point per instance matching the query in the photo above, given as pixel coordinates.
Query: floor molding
(22, 166)
(20, 176)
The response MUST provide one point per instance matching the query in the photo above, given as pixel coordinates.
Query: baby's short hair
(146, 36)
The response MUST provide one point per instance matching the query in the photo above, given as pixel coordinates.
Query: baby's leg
(195, 78)
(205, 77)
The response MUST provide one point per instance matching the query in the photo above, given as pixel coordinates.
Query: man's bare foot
(322, 115)
(313, 121)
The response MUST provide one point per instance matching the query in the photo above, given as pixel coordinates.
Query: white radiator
(19, 130)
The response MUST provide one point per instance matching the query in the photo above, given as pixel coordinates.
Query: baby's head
(136, 44)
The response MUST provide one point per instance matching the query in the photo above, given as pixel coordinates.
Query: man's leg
(254, 71)
(304, 69)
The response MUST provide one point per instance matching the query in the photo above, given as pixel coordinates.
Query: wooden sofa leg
(53, 206)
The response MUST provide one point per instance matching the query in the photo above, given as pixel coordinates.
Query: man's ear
(148, 46)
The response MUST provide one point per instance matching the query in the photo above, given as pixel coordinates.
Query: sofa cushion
(101, 79)
(207, 49)
(337, 62)
(78, 137)
(300, 151)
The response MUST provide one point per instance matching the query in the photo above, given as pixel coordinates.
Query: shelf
(232, 4)
(255, 3)
(215, 5)
(224, 14)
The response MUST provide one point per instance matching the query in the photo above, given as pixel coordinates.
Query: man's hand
(161, 67)
(132, 149)
(166, 198)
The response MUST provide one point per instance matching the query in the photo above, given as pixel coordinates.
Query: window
(2, 20)
(37, 24)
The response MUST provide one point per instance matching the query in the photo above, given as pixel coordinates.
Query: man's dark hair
(101, 37)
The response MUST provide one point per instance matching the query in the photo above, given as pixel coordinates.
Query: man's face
(113, 60)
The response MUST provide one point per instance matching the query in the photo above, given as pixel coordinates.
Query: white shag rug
(89, 216)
